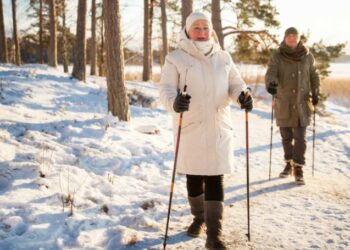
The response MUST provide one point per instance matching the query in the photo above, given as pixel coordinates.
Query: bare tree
(3, 44)
(165, 49)
(80, 43)
(53, 35)
(64, 45)
(146, 74)
(186, 9)
(216, 20)
(15, 37)
(101, 71)
(41, 44)
(93, 38)
(117, 94)
(150, 49)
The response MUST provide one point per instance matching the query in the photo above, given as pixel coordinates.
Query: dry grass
(138, 77)
(253, 79)
(336, 87)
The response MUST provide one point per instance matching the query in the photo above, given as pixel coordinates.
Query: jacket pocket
(224, 122)
(191, 126)
(282, 109)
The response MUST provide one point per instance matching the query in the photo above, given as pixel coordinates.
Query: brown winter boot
(287, 169)
(298, 174)
(213, 214)
(197, 210)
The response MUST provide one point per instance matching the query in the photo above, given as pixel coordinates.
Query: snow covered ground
(60, 149)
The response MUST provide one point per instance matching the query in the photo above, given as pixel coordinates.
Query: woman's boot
(213, 214)
(197, 210)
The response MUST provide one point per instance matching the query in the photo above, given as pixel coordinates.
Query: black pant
(294, 150)
(211, 186)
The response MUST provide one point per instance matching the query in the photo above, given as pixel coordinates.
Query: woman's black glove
(182, 102)
(272, 88)
(246, 101)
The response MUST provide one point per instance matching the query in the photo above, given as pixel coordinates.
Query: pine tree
(3, 43)
(80, 44)
(216, 20)
(165, 48)
(147, 59)
(93, 38)
(53, 35)
(186, 9)
(15, 36)
(118, 103)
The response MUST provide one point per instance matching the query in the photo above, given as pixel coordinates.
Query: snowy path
(56, 139)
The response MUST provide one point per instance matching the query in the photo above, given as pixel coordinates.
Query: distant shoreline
(342, 59)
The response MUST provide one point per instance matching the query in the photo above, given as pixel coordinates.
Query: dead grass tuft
(338, 89)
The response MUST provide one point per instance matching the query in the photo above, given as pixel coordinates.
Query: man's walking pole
(247, 155)
(174, 171)
(313, 141)
(273, 100)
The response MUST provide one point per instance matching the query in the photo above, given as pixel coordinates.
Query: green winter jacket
(297, 82)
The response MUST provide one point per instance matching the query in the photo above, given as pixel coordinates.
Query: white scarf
(204, 46)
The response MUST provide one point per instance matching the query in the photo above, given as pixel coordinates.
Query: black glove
(315, 100)
(246, 101)
(272, 88)
(182, 102)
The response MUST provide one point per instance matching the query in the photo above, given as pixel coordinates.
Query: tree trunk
(15, 37)
(186, 9)
(53, 35)
(64, 46)
(117, 94)
(3, 43)
(101, 72)
(41, 44)
(93, 38)
(146, 75)
(216, 20)
(165, 48)
(80, 43)
(150, 49)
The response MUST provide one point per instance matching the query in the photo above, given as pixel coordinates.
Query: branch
(257, 32)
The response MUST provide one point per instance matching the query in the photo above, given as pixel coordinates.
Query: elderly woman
(206, 146)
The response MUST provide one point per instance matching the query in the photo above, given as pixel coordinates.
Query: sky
(324, 19)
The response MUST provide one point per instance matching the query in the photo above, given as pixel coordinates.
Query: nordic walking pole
(313, 141)
(174, 171)
(273, 99)
(247, 155)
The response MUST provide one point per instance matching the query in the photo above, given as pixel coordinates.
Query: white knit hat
(195, 16)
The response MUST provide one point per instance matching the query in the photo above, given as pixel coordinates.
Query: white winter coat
(206, 142)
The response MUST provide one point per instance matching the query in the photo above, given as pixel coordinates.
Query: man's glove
(315, 99)
(246, 100)
(182, 102)
(272, 88)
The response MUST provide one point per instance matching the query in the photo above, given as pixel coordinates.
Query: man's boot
(213, 214)
(197, 210)
(298, 174)
(288, 169)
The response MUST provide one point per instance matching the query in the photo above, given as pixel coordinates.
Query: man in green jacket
(292, 79)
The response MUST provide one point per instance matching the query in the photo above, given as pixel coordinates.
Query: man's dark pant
(294, 150)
